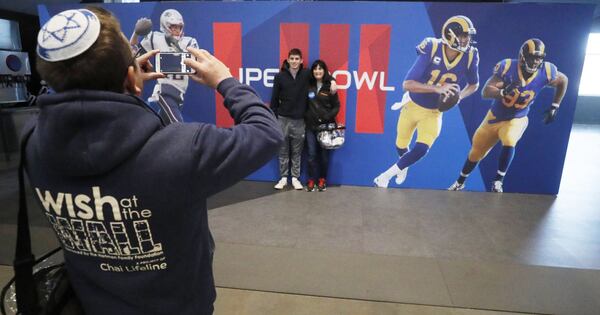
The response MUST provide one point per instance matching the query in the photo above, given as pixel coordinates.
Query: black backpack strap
(24, 259)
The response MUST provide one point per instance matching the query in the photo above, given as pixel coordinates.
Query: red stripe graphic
(334, 43)
(293, 35)
(228, 48)
(374, 56)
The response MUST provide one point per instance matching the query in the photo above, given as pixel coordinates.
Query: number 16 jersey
(432, 67)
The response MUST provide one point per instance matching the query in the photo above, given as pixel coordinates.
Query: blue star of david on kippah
(68, 34)
(61, 33)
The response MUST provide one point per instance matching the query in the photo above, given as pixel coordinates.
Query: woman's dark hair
(326, 76)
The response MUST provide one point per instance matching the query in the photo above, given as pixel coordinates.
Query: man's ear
(130, 80)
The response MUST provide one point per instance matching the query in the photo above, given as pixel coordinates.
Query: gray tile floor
(511, 228)
(512, 252)
(243, 302)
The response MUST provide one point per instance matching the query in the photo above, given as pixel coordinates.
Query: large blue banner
(370, 48)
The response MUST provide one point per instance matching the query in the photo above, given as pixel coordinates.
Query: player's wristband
(502, 93)
(555, 105)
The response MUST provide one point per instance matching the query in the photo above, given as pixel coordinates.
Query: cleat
(322, 184)
(401, 176)
(297, 184)
(497, 186)
(457, 187)
(381, 181)
(281, 183)
(310, 186)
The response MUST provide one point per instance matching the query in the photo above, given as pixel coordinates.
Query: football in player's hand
(446, 102)
(143, 26)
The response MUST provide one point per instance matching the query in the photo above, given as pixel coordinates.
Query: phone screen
(173, 63)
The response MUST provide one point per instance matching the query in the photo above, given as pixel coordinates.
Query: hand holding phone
(144, 73)
(209, 70)
(173, 63)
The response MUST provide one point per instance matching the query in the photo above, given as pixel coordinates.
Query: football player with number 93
(513, 87)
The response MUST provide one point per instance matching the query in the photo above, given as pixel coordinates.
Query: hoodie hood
(83, 133)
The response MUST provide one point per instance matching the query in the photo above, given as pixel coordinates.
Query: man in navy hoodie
(126, 194)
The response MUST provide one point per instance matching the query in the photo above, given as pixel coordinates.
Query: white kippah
(68, 34)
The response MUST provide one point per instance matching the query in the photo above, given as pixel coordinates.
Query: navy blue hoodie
(289, 97)
(127, 195)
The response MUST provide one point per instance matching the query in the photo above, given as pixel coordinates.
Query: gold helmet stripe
(463, 23)
(460, 20)
(531, 46)
(532, 49)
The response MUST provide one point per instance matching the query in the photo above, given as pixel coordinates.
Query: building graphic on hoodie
(85, 231)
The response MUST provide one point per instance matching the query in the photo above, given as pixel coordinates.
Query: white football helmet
(171, 17)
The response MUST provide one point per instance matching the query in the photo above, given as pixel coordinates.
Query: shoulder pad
(427, 46)
(502, 67)
(551, 71)
(473, 55)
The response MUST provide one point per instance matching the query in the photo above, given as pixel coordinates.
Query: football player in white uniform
(168, 92)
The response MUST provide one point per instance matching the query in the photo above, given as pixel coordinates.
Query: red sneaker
(310, 186)
(322, 184)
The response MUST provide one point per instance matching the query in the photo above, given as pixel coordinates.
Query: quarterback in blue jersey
(442, 65)
(513, 87)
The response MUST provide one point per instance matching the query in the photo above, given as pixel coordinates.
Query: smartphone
(172, 63)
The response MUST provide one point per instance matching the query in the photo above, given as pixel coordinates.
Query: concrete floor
(452, 250)
(248, 302)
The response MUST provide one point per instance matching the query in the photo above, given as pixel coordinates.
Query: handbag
(331, 136)
(39, 286)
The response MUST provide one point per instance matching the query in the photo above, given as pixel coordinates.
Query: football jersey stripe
(506, 66)
(434, 48)
(471, 54)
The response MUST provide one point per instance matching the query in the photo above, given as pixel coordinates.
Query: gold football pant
(509, 132)
(427, 122)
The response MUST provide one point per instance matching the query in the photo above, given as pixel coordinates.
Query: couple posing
(302, 100)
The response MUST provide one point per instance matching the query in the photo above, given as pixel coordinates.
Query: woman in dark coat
(323, 106)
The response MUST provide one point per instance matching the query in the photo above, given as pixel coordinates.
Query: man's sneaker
(322, 184)
(281, 183)
(456, 187)
(297, 184)
(310, 186)
(401, 177)
(497, 186)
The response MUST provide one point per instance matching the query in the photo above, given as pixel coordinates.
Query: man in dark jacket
(289, 102)
(126, 194)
